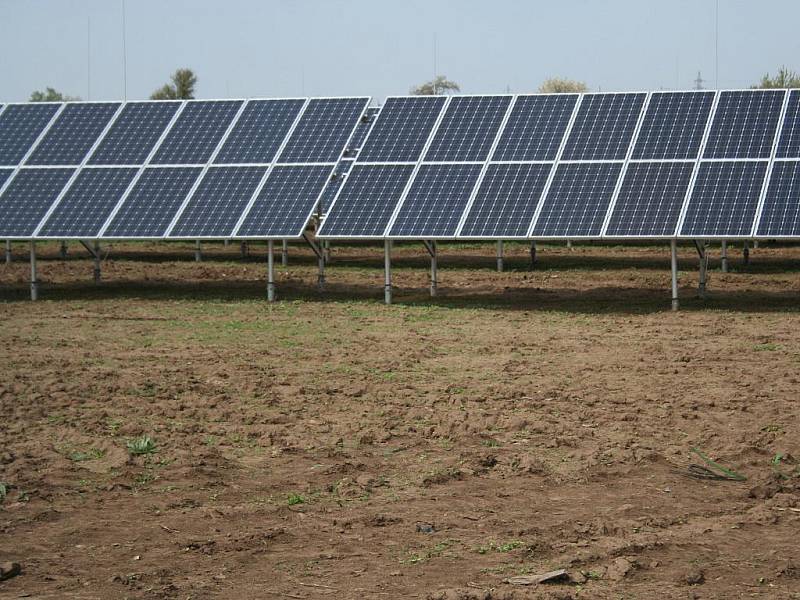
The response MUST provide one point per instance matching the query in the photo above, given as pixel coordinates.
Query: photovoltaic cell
(73, 134)
(536, 127)
(333, 184)
(260, 131)
(27, 199)
(197, 132)
(724, 199)
(789, 143)
(134, 133)
(468, 128)
(323, 130)
(20, 125)
(673, 125)
(650, 199)
(603, 127)
(506, 201)
(153, 202)
(285, 203)
(218, 202)
(5, 174)
(402, 129)
(780, 215)
(744, 124)
(87, 203)
(436, 201)
(367, 200)
(577, 201)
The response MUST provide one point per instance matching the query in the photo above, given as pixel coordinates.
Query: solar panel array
(176, 169)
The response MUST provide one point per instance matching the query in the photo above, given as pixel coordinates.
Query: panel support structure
(96, 257)
(62, 251)
(284, 253)
(387, 266)
(702, 253)
(674, 261)
(724, 256)
(270, 272)
(8, 252)
(499, 256)
(198, 252)
(533, 255)
(34, 280)
(746, 253)
(432, 250)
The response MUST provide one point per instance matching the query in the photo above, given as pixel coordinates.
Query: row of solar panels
(632, 165)
(692, 164)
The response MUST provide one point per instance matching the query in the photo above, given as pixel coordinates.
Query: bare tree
(436, 87)
(181, 88)
(561, 85)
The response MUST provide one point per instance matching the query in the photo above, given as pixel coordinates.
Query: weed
(490, 443)
(494, 547)
(414, 558)
(141, 445)
(767, 347)
(91, 454)
(3, 491)
(295, 498)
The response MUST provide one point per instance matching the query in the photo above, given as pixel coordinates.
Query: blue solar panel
(260, 131)
(506, 201)
(780, 215)
(603, 127)
(134, 133)
(789, 143)
(536, 127)
(5, 174)
(577, 201)
(153, 202)
(744, 124)
(285, 203)
(402, 129)
(367, 200)
(88, 202)
(323, 130)
(197, 132)
(360, 132)
(436, 201)
(724, 199)
(673, 126)
(650, 199)
(20, 125)
(218, 202)
(468, 128)
(27, 199)
(73, 134)
(333, 185)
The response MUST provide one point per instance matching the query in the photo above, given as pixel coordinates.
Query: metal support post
(321, 273)
(63, 250)
(755, 244)
(674, 253)
(284, 253)
(569, 244)
(387, 266)
(96, 256)
(746, 253)
(8, 252)
(34, 280)
(724, 256)
(499, 256)
(245, 249)
(326, 251)
(702, 252)
(270, 272)
(434, 268)
(198, 253)
(533, 255)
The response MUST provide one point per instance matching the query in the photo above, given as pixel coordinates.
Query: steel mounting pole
(533, 255)
(63, 250)
(34, 280)
(499, 256)
(96, 256)
(270, 272)
(434, 268)
(284, 253)
(8, 252)
(387, 266)
(746, 253)
(724, 256)
(198, 253)
(674, 256)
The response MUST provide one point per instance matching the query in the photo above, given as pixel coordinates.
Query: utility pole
(698, 83)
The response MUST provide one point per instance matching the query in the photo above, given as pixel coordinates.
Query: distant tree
(181, 88)
(559, 85)
(785, 78)
(50, 95)
(436, 87)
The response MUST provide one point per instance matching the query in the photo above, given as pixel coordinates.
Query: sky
(288, 48)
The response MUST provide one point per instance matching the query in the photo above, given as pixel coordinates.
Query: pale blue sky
(246, 48)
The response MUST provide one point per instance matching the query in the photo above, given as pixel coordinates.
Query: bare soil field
(170, 434)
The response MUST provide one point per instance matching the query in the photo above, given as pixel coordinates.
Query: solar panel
(673, 125)
(218, 202)
(20, 126)
(5, 174)
(360, 132)
(603, 127)
(153, 202)
(780, 215)
(333, 184)
(73, 134)
(323, 130)
(650, 199)
(536, 127)
(366, 201)
(789, 143)
(259, 131)
(506, 201)
(27, 199)
(436, 201)
(744, 124)
(134, 133)
(468, 128)
(724, 199)
(577, 201)
(197, 132)
(285, 203)
(87, 203)
(402, 129)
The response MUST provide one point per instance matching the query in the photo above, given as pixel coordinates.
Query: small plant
(141, 445)
(294, 498)
(494, 547)
(3, 491)
(91, 454)
(767, 347)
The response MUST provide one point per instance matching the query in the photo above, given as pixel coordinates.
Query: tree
(51, 95)
(560, 85)
(181, 88)
(785, 78)
(436, 87)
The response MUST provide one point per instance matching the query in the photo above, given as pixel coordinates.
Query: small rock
(423, 527)
(694, 576)
(619, 569)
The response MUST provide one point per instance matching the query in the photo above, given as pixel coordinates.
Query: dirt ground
(328, 446)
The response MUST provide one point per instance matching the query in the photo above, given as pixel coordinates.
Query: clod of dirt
(619, 569)
(766, 490)
(694, 576)
(9, 570)
(790, 569)
(423, 527)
